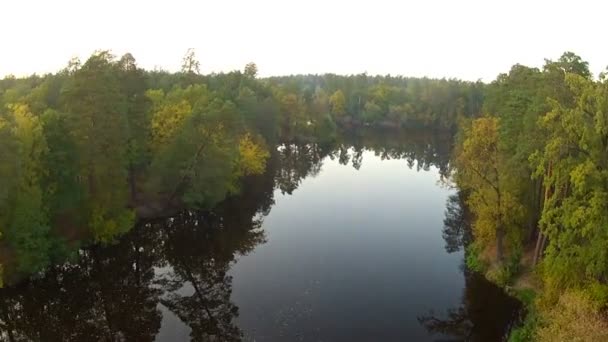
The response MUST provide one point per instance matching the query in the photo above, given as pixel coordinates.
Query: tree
(64, 190)
(570, 63)
(251, 70)
(190, 64)
(575, 162)
(519, 99)
(8, 163)
(208, 137)
(97, 111)
(167, 118)
(338, 103)
(252, 156)
(294, 120)
(28, 226)
(481, 171)
(133, 87)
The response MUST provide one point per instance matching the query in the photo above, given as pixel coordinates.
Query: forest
(534, 167)
(91, 150)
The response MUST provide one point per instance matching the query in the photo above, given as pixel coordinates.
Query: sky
(467, 39)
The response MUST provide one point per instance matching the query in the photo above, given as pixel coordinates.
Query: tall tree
(251, 70)
(481, 171)
(133, 87)
(97, 111)
(574, 217)
(28, 224)
(190, 64)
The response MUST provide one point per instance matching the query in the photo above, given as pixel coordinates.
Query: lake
(360, 240)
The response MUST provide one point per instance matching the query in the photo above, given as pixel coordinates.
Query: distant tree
(251, 70)
(571, 63)
(338, 103)
(190, 64)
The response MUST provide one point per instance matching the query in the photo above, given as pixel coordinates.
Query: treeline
(385, 101)
(87, 150)
(535, 165)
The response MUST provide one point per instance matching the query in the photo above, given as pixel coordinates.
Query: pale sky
(468, 39)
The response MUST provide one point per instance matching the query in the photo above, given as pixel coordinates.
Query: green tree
(190, 64)
(574, 217)
(28, 226)
(208, 137)
(97, 111)
(133, 87)
(251, 70)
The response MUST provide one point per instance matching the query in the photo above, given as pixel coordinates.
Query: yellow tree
(27, 223)
(252, 156)
(170, 111)
(338, 103)
(481, 171)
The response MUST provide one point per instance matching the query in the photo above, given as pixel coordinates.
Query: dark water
(356, 241)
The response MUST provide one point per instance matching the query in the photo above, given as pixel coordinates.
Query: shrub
(574, 318)
(473, 258)
(527, 330)
(598, 293)
(526, 296)
(503, 274)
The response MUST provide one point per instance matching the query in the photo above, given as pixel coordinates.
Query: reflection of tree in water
(422, 149)
(105, 296)
(295, 162)
(201, 250)
(478, 318)
(486, 312)
(111, 293)
(456, 230)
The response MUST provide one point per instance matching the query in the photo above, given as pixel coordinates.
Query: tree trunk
(542, 245)
(500, 235)
(538, 208)
(539, 238)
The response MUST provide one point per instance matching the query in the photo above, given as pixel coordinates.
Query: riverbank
(517, 278)
(574, 315)
(525, 287)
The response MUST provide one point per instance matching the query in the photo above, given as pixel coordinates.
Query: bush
(527, 330)
(598, 293)
(526, 296)
(574, 318)
(473, 258)
(503, 275)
